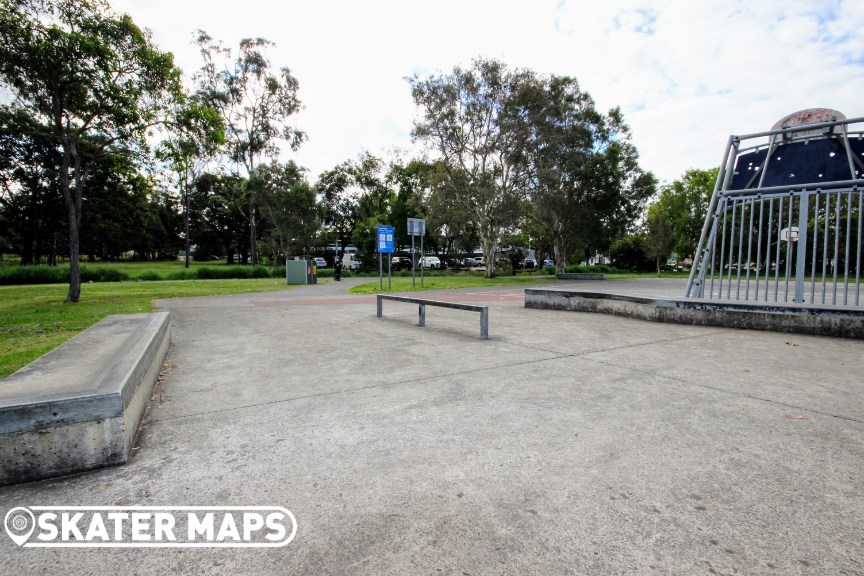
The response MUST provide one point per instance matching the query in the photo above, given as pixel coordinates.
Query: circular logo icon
(19, 524)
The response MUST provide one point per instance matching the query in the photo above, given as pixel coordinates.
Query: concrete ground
(568, 443)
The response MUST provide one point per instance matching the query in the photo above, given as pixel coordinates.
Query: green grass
(448, 282)
(34, 319)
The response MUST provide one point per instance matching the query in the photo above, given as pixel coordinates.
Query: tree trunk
(186, 221)
(74, 259)
(658, 265)
(488, 242)
(253, 234)
(560, 255)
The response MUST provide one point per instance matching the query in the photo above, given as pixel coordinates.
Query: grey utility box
(301, 272)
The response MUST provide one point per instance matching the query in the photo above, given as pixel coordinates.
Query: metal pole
(848, 237)
(389, 272)
(701, 250)
(825, 243)
(789, 252)
(722, 249)
(768, 248)
(858, 258)
(815, 248)
(749, 250)
(801, 264)
(777, 257)
(422, 267)
(759, 248)
(740, 247)
(380, 272)
(731, 250)
(413, 264)
(836, 247)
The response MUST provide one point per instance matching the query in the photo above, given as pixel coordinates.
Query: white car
(431, 262)
(320, 262)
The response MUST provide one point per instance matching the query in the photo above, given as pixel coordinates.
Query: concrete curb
(817, 320)
(79, 406)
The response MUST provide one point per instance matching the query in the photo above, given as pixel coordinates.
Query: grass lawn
(448, 282)
(34, 319)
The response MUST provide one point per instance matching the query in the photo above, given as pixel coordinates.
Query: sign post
(385, 244)
(416, 227)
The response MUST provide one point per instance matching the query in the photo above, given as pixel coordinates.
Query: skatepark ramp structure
(784, 224)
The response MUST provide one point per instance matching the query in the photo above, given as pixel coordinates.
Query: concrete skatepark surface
(568, 443)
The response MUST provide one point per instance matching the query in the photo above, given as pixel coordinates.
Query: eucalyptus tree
(470, 117)
(583, 176)
(196, 133)
(256, 103)
(95, 77)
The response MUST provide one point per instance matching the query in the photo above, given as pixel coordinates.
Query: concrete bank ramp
(79, 406)
(816, 320)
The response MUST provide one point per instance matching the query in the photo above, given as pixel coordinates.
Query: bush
(182, 274)
(149, 276)
(103, 274)
(33, 275)
(629, 253)
(16, 275)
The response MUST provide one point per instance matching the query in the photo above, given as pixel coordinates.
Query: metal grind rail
(423, 302)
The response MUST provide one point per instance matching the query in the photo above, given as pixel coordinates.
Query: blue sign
(386, 240)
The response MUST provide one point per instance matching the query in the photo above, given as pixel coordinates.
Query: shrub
(182, 274)
(149, 276)
(33, 275)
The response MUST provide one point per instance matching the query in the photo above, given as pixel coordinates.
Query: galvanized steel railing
(784, 224)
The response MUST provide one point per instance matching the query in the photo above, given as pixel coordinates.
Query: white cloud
(686, 74)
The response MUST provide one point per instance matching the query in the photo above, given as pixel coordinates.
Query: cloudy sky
(686, 73)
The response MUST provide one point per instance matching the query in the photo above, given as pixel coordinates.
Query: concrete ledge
(581, 276)
(79, 407)
(818, 320)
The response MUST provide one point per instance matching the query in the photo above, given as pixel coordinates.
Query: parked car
(320, 262)
(528, 264)
(481, 261)
(430, 262)
(350, 262)
(468, 262)
(548, 262)
(400, 263)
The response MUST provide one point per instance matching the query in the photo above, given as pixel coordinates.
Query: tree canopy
(94, 77)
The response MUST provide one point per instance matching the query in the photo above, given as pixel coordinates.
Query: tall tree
(660, 237)
(288, 202)
(412, 182)
(31, 203)
(584, 179)
(94, 76)
(217, 219)
(470, 117)
(197, 131)
(685, 201)
(256, 103)
(354, 197)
